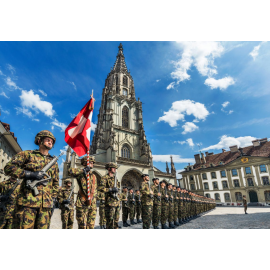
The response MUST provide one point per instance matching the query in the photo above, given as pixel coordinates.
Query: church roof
(120, 63)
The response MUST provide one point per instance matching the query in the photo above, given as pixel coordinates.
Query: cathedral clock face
(244, 159)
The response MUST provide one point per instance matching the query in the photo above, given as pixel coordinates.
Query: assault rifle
(171, 194)
(158, 197)
(139, 201)
(133, 201)
(32, 184)
(166, 198)
(115, 195)
(5, 199)
(67, 205)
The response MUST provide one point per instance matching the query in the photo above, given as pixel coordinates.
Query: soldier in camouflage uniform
(66, 205)
(131, 204)
(125, 207)
(138, 205)
(175, 206)
(35, 211)
(157, 203)
(112, 200)
(147, 202)
(102, 218)
(164, 205)
(9, 198)
(179, 195)
(86, 210)
(171, 206)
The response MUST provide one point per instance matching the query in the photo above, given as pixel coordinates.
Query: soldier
(175, 206)
(180, 204)
(125, 207)
(112, 202)
(245, 203)
(171, 206)
(131, 204)
(66, 201)
(147, 202)
(102, 218)
(35, 211)
(9, 191)
(164, 205)
(138, 204)
(156, 202)
(86, 210)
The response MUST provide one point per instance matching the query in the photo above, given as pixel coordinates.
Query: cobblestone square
(219, 218)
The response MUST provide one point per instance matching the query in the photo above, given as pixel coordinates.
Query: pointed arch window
(125, 117)
(125, 80)
(125, 152)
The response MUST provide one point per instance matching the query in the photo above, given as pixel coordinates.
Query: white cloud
(225, 104)
(1, 73)
(176, 159)
(255, 51)
(189, 127)
(11, 68)
(201, 55)
(230, 112)
(181, 108)
(222, 84)
(4, 111)
(157, 80)
(226, 141)
(190, 142)
(26, 112)
(170, 86)
(56, 123)
(64, 150)
(33, 101)
(180, 142)
(93, 126)
(42, 92)
(11, 83)
(4, 95)
(72, 83)
(72, 115)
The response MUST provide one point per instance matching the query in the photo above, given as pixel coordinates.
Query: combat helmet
(67, 181)
(42, 134)
(84, 159)
(111, 165)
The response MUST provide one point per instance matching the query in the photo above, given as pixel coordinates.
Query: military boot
(132, 222)
(139, 221)
(176, 223)
(125, 224)
(164, 226)
(180, 221)
(171, 225)
(128, 224)
(101, 227)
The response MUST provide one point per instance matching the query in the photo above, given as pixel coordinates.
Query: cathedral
(119, 136)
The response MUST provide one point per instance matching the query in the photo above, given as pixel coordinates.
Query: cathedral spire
(173, 170)
(120, 64)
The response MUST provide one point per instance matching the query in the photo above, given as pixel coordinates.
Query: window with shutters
(125, 117)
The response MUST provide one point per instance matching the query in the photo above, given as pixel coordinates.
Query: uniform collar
(36, 151)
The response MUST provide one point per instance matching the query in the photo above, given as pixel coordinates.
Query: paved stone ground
(219, 218)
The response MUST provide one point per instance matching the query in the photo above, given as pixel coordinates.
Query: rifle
(158, 197)
(115, 185)
(5, 199)
(139, 202)
(32, 184)
(69, 197)
(126, 202)
(171, 199)
(166, 198)
(133, 202)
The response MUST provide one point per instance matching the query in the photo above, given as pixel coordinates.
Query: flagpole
(88, 156)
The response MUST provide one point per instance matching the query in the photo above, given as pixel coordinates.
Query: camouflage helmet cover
(67, 181)
(111, 165)
(42, 134)
(84, 159)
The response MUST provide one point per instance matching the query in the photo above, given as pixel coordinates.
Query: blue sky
(207, 95)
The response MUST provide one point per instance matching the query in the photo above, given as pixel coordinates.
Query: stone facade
(229, 175)
(8, 147)
(120, 136)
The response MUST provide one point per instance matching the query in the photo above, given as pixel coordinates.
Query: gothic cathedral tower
(120, 130)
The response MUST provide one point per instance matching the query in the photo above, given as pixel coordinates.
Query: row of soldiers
(24, 207)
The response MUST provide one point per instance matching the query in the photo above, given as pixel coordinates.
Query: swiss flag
(77, 134)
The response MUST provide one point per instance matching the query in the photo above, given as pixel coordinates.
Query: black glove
(86, 169)
(113, 190)
(66, 201)
(33, 175)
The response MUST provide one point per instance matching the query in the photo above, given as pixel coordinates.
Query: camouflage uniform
(175, 208)
(147, 205)
(7, 217)
(138, 208)
(125, 207)
(102, 218)
(171, 208)
(67, 214)
(34, 211)
(85, 213)
(164, 208)
(245, 204)
(156, 206)
(131, 205)
(112, 204)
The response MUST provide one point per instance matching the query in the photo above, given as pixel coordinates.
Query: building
(229, 175)
(8, 147)
(119, 135)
